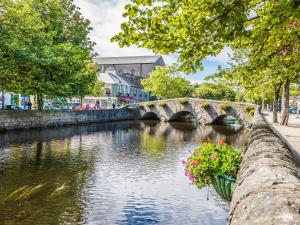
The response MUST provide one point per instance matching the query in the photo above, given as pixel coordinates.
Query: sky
(106, 18)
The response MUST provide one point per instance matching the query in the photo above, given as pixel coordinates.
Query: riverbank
(19, 120)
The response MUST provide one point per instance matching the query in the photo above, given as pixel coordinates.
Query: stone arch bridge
(204, 111)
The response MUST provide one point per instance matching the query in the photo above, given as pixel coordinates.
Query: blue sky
(106, 17)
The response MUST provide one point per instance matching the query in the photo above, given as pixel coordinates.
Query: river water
(110, 173)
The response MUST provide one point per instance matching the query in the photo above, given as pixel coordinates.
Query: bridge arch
(183, 116)
(150, 116)
(221, 119)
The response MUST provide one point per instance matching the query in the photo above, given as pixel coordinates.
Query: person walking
(298, 107)
(29, 104)
(113, 106)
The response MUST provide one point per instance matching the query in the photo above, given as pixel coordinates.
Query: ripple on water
(114, 173)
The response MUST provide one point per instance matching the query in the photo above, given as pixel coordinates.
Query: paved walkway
(291, 132)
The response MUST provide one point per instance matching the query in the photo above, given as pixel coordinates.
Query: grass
(162, 104)
(204, 105)
(183, 101)
(149, 104)
(225, 106)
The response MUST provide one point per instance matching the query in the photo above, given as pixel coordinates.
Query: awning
(125, 98)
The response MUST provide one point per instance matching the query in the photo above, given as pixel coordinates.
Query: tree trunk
(275, 103)
(3, 99)
(285, 103)
(40, 102)
(81, 100)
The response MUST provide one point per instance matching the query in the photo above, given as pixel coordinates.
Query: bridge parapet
(205, 111)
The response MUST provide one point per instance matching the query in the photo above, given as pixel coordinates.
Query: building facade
(122, 78)
(139, 66)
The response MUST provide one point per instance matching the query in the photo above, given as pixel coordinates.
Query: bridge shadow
(183, 116)
(150, 116)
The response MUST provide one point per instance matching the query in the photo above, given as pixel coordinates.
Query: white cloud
(106, 18)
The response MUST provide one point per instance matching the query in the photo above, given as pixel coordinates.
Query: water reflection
(113, 173)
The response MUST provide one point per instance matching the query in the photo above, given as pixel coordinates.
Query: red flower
(220, 142)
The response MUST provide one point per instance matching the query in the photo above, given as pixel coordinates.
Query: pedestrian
(29, 104)
(113, 106)
(298, 107)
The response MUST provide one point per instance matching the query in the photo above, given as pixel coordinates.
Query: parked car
(13, 107)
(293, 110)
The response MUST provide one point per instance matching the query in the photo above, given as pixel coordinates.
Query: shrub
(149, 104)
(250, 110)
(204, 105)
(251, 113)
(129, 108)
(183, 101)
(141, 106)
(162, 104)
(212, 159)
(225, 106)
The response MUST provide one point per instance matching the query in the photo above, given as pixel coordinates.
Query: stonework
(14, 120)
(175, 110)
(268, 183)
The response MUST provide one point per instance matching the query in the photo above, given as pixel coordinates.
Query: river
(109, 173)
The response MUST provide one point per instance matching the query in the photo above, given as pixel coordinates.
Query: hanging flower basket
(224, 185)
(216, 165)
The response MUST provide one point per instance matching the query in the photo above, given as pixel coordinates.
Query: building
(140, 66)
(119, 89)
(122, 79)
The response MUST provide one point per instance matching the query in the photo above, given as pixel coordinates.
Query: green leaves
(48, 47)
(165, 82)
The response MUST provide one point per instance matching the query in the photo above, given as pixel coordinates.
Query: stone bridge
(204, 111)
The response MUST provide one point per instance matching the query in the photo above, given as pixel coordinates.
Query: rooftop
(128, 60)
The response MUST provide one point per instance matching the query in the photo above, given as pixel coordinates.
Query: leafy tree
(48, 43)
(216, 91)
(165, 82)
(263, 34)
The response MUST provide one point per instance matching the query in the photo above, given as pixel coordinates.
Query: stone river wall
(268, 183)
(14, 120)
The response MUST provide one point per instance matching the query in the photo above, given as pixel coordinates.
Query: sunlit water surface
(112, 173)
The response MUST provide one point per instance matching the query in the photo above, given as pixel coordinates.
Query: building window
(132, 71)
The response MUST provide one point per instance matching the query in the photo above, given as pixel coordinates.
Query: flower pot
(224, 185)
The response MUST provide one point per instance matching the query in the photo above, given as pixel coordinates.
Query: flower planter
(224, 185)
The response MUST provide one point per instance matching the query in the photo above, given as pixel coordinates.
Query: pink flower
(191, 178)
(213, 156)
(183, 162)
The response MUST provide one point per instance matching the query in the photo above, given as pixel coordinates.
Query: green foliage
(216, 91)
(46, 47)
(204, 105)
(183, 101)
(263, 35)
(165, 82)
(212, 159)
(140, 106)
(129, 108)
(251, 113)
(150, 104)
(250, 110)
(162, 104)
(225, 106)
